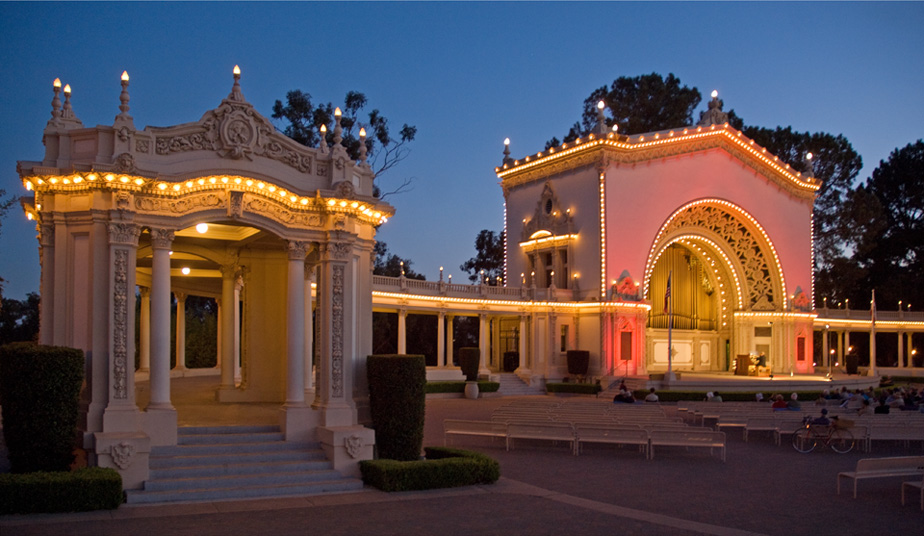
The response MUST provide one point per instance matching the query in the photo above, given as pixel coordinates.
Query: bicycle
(810, 435)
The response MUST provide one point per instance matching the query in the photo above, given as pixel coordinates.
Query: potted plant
(469, 361)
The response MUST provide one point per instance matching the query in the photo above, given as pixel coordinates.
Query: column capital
(144, 291)
(230, 271)
(336, 251)
(162, 238)
(180, 296)
(298, 249)
(125, 234)
(46, 234)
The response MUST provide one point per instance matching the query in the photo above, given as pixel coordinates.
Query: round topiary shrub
(469, 361)
(40, 395)
(397, 402)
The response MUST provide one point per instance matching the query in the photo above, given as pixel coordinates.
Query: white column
(145, 328)
(402, 331)
(872, 352)
(523, 342)
(483, 342)
(901, 351)
(47, 283)
(450, 340)
(295, 325)
(161, 240)
(236, 355)
(309, 332)
(226, 327)
(180, 331)
(441, 339)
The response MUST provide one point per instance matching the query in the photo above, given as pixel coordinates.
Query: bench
(613, 435)
(473, 428)
(686, 437)
(914, 484)
(548, 431)
(883, 468)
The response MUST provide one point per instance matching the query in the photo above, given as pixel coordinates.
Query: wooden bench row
(899, 466)
(645, 438)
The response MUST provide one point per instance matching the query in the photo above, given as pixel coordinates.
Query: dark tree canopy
(884, 228)
(389, 264)
(490, 257)
(19, 319)
(5, 204)
(384, 149)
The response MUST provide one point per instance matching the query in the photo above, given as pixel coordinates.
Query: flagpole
(872, 336)
(670, 324)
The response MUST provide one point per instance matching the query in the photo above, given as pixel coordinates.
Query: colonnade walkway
(761, 489)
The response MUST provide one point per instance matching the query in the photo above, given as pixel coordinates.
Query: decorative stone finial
(236, 94)
(123, 97)
(362, 145)
(56, 101)
(507, 159)
(322, 145)
(714, 115)
(808, 165)
(338, 130)
(601, 119)
(68, 116)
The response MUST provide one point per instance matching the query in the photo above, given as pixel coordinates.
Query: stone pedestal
(160, 425)
(346, 446)
(126, 452)
(299, 423)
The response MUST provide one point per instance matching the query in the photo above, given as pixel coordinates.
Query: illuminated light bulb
(715, 93)
(260, 185)
(272, 189)
(506, 141)
(282, 193)
(212, 180)
(28, 215)
(170, 252)
(378, 214)
(201, 182)
(162, 186)
(176, 187)
(123, 178)
(236, 70)
(110, 177)
(304, 201)
(189, 184)
(293, 198)
(224, 180)
(185, 270)
(202, 228)
(249, 182)
(601, 105)
(362, 132)
(139, 182)
(809, 156)
(237, 180)
(343, 203)
(91, 176)
(337, 112)
(125, 76)
(67, 89)
(331, 202)
(354, 205)
(53, 181)
(57, 82)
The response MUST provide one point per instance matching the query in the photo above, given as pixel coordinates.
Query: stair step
(240, 481)
(230, 448)
(193, 430)
(272, 490)
(294, 455)
(225, 438)
(224, 469)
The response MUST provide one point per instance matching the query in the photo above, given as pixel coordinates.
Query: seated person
(882, 408)
(794, 402)
(778, 402)
(624, 396)
(652, 397)
(823, 420)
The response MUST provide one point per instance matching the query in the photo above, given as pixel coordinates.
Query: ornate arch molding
(738, 233)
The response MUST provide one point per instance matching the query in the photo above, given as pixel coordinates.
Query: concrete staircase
(237, 462)
(512, 385)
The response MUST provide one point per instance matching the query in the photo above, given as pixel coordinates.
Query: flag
(667, 293)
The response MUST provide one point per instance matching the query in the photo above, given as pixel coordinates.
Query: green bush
(40, 395)
(443, 468)
(469, 362)
(90, 488)
(459, 387)
(397, 403)
(577, 388)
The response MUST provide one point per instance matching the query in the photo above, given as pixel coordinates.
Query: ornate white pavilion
(282, 235)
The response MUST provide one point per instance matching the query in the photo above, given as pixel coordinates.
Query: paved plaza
(761, 489)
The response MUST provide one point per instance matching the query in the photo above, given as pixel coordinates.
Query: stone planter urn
(471, 390)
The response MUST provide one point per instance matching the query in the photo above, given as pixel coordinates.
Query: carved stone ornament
(124, 134)
(236, 204)
(162, 238)
(353, 445)
(124, 163)
(123, 199)
(345, 190)
(548, 215)
(746, 248)
(120, 324)
(122, 454)
(234, 130)
(337, 331)
(181, 206)
(338, 251)
(124, 234)
(47, 235)
(298, 250)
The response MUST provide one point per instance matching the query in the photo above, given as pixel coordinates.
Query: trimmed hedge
(40, 395)
(89, 488)
(577, 388)
(398, 404)
(443, 468)
(459, 387)
(469, 362)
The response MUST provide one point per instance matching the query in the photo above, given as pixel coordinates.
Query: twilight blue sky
(466, 74)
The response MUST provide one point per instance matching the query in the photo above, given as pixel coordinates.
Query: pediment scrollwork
(548, 215)
(750, 252)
